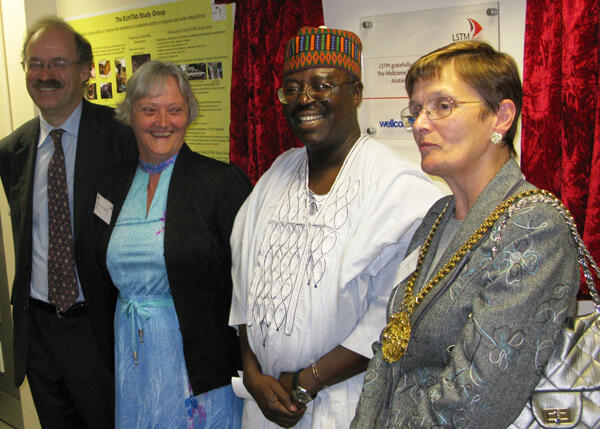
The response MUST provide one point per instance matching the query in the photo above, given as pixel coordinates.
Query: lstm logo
(474, 30)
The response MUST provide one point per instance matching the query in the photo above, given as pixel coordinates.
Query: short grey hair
(149, 81)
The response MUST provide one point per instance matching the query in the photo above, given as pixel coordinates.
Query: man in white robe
(310, 240)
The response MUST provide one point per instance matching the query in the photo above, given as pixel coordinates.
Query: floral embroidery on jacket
(517, 260)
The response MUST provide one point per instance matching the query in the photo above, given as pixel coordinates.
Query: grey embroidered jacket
(483, 335)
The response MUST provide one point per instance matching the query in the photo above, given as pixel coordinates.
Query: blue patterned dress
(152, 387)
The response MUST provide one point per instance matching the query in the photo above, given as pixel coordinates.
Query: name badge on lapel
(103, 208)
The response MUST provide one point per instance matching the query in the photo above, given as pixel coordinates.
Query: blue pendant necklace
(156, 168)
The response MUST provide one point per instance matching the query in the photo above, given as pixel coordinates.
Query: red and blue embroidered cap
(323, 47)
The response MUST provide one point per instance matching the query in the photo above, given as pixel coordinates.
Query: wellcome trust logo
(392, 123)
(474, 29)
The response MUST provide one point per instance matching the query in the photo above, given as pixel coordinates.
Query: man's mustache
(47, 84)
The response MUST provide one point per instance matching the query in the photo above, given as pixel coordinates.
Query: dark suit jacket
(102, 142)
(203, 198)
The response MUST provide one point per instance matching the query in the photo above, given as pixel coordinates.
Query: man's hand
(274, 400)
(273, 397)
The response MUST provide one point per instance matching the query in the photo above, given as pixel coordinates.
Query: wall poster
(195, 35)
(391, 43)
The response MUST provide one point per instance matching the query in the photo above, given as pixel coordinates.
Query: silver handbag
(568, 394)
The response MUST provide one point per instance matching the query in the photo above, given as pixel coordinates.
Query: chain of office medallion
(397, 331)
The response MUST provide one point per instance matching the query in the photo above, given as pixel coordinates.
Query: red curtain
(258, 131)
(560, 149)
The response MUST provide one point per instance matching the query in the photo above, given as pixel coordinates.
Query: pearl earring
(496, 137)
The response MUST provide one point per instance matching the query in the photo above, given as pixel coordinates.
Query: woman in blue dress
(163, 226)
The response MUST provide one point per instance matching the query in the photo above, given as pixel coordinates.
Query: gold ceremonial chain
(396, 334)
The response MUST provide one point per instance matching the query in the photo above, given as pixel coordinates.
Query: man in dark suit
(65, 347)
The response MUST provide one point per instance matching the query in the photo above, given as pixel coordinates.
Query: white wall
(83, 8)
(13, 23)
(346, 14)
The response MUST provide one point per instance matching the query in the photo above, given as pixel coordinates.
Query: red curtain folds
(560, 148)
(258, 131)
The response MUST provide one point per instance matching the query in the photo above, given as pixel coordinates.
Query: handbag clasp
(556, 415)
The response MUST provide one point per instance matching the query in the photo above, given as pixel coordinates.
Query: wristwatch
(299, 393)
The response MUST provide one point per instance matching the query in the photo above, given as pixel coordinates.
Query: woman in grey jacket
(469, 333)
